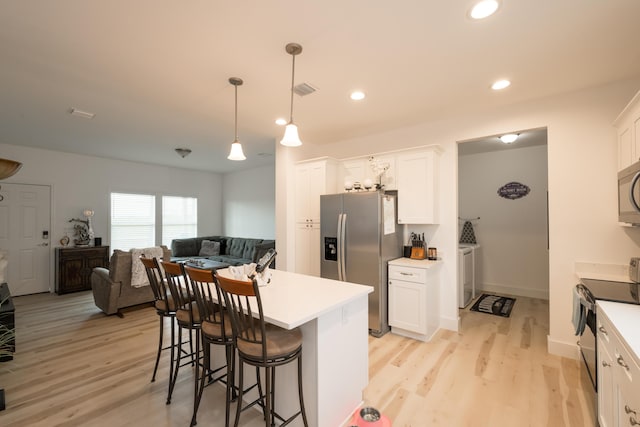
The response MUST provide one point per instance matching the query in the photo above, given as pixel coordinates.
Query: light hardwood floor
(76, 367)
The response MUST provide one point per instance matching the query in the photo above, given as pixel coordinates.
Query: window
(133, 221)
(179, 218)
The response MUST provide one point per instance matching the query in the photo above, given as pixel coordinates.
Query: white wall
(248, 203)
(582, 186)
(79, 182)
(513, 233)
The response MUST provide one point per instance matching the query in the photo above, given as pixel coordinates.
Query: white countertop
(292, 299)
(419, 263)
(625, 318)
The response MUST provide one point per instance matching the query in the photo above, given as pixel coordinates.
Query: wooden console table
(74, 267)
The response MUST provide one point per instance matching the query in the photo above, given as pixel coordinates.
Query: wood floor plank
(75, 366)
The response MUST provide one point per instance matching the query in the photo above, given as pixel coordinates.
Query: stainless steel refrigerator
(359, 235)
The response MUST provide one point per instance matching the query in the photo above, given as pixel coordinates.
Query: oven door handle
(588, 305)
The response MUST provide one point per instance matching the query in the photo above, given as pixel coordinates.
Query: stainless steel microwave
(629, 194)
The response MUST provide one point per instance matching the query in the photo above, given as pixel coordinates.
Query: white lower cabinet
(413, 298)
(618, 378)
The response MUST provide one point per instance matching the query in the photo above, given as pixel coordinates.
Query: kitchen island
(333, 317)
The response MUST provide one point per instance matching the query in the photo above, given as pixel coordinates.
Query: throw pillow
(209, 248)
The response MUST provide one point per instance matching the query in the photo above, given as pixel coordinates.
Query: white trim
(563, 349)
(449, 323)
(512, 290)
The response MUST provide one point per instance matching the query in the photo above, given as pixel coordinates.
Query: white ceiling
(155, 72)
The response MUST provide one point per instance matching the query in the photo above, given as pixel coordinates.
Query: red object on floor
(358, 421)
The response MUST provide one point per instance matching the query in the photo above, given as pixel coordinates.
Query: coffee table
(205, 264)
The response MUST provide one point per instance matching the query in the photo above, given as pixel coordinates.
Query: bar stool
(260, 344)
(215, 330)
(187, 318)
(165, 307)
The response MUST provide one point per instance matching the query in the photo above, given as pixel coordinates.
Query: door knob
(43, 244)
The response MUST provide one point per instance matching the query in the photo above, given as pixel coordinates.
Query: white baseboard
(512, 290)
(450, 323)
(563, 348)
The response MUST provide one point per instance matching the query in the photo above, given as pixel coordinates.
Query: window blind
(179, 218)
(133, 221)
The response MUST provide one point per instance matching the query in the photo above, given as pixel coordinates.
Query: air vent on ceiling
(304, 89)
(79, 113)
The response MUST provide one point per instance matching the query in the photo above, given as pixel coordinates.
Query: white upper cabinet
(313, 178)
(358, 170)
(628, 132)
(417, 178)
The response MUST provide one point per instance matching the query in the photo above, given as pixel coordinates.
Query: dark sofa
(233, 250)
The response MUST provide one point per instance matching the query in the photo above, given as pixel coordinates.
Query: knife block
(418, 253)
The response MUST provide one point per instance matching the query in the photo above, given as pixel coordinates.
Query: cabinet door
(627, 383)
(606, 388)
(407, 306)
(71, 274)
(625, 148)
(308, 249)
(417, 188)
(312, 180)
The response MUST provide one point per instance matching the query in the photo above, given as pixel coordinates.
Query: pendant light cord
(293, 73)
(236, 114)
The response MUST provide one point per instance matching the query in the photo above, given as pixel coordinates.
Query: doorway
(502, 198)
(25, 224)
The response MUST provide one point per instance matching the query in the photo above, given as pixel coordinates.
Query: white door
(25, 223)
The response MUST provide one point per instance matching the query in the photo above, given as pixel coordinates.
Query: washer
(465, 276)
(476, 273)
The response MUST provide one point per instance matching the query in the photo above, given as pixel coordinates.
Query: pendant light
(8, 168)
(291, 138)
(236, 148)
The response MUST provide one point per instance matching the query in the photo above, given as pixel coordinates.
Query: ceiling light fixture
(183, 152)
(509, 138)
(357, 95)
(281, 122)
(291, 138)
(484, 9)
(501, 84)
(8, 168)
(236, 148)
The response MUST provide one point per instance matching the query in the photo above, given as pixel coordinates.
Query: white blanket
(138, 274)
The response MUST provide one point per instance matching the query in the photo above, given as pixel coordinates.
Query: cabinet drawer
(408, 274)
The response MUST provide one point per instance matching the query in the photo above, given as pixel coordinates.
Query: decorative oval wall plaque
(513, 190)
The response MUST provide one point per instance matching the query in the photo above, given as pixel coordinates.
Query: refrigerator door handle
(339, 248)
(343, 247)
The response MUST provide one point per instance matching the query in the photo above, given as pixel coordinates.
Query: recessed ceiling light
(357, 95)
(281, 122)
(484, 9)
(509, 138)
(500, 84)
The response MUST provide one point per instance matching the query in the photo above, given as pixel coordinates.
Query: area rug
(494, 304)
